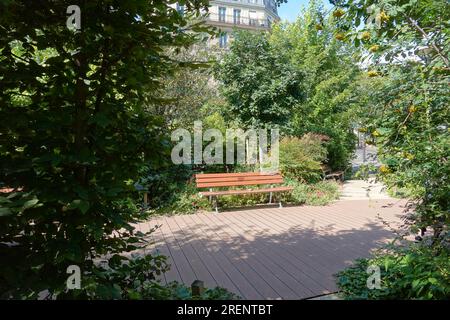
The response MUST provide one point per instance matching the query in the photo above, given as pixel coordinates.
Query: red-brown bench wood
(218, 180)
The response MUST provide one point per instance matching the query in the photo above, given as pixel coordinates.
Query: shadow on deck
(273, 253)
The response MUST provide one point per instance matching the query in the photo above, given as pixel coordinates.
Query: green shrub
(415, 272)
(340, 147)
(243, 200)
(165, 183)
(301, 158)
(364, 171)
(136, 278)
(179, 291)
(321, 193)
(184, 199)
(188, 200)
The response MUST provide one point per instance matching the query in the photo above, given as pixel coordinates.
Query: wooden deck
(273, 253)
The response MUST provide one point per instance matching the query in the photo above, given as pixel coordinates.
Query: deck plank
(195, 261)
(185, 270)
(221, 275)
(273, 257)
(297, 259)
(280, 280)
(273, 253)
(160, 247)
(250, 270)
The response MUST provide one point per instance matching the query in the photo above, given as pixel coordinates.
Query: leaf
(29, 204)
(4, 200)
(116, 291)
(82, 205)
(134, 295)
(415, 283)
(5, 212)
(386, 264)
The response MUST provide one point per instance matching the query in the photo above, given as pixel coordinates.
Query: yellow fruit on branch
(365, 35)
(408, 155)
(339, 36)
(441, 69)
(372, 73)
(319, 27)
(412, 109)
(374, 48)
(338, 13)
(383, 17)
(384, 169)
(375, 133)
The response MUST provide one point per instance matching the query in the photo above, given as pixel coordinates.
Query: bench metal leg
(270, 197)
(216, 204)
(145, 198)
(280, 205)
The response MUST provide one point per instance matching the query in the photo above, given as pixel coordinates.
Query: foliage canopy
(77, 135)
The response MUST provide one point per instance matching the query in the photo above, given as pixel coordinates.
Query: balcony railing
(261, 3)
(237, 20)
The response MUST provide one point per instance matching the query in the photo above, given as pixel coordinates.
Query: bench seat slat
(235, 174)
(243, 178)
(238, 183)
(334, 174)
(245, 191)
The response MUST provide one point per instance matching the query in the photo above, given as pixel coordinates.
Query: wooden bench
(219, 180)
(329, 174)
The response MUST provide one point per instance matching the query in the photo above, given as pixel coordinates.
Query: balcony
(268, 4)
(249, 2)
(236, 21)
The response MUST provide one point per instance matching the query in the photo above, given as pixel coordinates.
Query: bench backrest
(211, 180)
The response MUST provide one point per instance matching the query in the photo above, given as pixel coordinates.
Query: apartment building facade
(228, 15)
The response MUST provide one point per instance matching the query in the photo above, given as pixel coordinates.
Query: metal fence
(238, 20)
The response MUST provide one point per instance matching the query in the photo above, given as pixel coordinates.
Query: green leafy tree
(396, 29)
(408, 119)
(407, 56)
(75, 134)
(331, 75)
(407, 115)
(189, 92)
(260, 87)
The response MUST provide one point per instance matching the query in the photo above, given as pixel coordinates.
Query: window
(180, 9)
(223, 40)
(222, 13)
(252, 18)
(237, 16)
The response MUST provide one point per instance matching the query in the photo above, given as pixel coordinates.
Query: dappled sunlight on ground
(270, 253)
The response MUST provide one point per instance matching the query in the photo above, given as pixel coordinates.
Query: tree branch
(435, 47)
